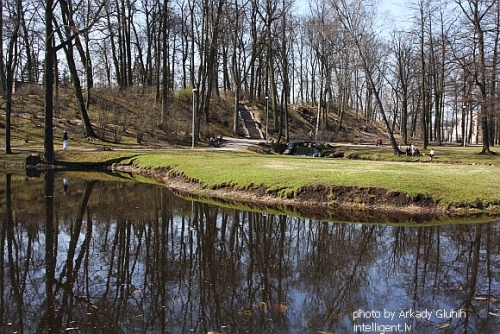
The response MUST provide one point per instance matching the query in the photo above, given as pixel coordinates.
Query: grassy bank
(457, 185)
(457, 180)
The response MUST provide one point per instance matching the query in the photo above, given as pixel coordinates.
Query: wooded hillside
(433, 79)
(130, 117)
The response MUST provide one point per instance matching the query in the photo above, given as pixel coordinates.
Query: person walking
(65, 139)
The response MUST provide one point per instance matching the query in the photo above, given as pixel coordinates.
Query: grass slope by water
(455, 185)
(456, 181)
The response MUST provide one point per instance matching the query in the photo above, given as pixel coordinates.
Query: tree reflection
(50, 253)
(113, 257)
(3, 232)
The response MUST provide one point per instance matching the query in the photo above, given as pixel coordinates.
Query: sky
(397, 11)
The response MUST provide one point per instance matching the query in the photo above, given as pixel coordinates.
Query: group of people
(413, 151)
(214, 141)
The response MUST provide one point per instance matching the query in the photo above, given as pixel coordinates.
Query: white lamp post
(400, 129)
(195, 90)
(465, 126)
(267, 116)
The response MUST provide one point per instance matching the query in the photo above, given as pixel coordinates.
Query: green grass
(457, 184)
(457, 177)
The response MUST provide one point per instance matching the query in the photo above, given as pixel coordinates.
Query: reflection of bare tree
(72, 266)
(50, 254)
(13, 252)
(7, 232)
(450, 267)
(474, 262)
(57, 308)
(3, 232)
(18, 261)
(336, 263)
(135, 258)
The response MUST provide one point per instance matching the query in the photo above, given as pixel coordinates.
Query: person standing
(65, 185)
(65, 139)
(413, 149)
(432, 153)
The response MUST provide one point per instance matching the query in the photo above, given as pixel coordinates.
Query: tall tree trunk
(128, 43)
(10, 77)
(165, 75)
(284, 65)
(88, 72)
(481, 82)
(423, 80)
(211, 60)
(235, 70)
(475, 15)
(346, 18)
(494, 74)
(26, 35)
(89, 131)
(113, 40)
(3, 80)
(69, 51)
(48, 143)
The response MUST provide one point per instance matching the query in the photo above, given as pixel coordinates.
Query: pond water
(101, 253)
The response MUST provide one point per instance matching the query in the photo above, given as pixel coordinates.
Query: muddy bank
(346, 204)
(350, 204)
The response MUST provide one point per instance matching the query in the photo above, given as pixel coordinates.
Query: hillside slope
(132, 118)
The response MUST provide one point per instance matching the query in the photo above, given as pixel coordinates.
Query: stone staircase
(249, 126)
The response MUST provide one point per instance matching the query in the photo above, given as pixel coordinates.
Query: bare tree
(439, 60)
(165, 71)
(3, 79)
(285, 79)
(495, 121)
(403, 73)
(48, 143)
(213, 11)
(476, 12)
(71, 32)
(423, 17)
(240, 65)
(355, 18)
(120, 18)
(15, 23)
(322, 34)
(269, 13)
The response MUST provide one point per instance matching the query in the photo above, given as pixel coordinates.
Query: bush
(185, 94)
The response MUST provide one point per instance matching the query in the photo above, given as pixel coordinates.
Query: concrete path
(233, 144)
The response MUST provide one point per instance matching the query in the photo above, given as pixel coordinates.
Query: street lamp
(194, 113)
(465, 126)
(400, 129)
(267, 116)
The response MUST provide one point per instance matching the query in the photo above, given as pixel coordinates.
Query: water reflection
(123, 257)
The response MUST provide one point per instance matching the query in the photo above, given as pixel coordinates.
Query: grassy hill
(132, 118)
